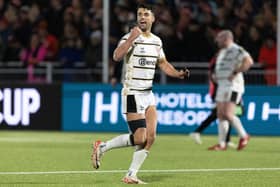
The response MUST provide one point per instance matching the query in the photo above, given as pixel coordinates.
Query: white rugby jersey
(228, 60)
(140, 63)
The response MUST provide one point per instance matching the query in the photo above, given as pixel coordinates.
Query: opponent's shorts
(227, 95)
(137, 103)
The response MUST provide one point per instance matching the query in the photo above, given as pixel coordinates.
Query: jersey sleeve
(123, 39)
(161, 52)
(242, 54)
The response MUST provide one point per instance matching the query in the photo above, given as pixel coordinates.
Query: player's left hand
(184, 73)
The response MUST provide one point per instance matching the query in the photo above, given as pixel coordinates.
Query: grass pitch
(32, 158)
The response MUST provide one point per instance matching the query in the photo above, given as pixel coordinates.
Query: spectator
(2, 7)
(68, 17)
(34, 14)
(49, 41)
(93, 18)
(71, 51)
(9, 25)
(124, 14)
(187, 25)
(93, 53)
(164, 27)
(54, 17)
(267, 57)
(34, 54)
(253, 42)
(12, 49)
(78, 14)
(24, 29)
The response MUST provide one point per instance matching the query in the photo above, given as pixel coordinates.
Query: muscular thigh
(134, 116)
(225, 110)
(137, 103)
(225, 95)
(130, 106)
(137, 126)
(220, 107)
(141, 106)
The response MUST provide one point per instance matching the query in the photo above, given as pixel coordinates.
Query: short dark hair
(146, 6)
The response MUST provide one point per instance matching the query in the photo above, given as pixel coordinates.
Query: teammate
(232, 61)
(213, 115)
(141, 51)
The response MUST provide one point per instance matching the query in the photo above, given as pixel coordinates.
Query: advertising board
(181, 108)
(26, 106)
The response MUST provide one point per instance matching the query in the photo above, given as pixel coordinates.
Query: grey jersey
(228, 60)
(140, 64)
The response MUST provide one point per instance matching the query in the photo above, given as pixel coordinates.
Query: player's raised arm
(166, 67)
(123, 47)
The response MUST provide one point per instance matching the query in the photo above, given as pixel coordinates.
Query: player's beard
(144, 28)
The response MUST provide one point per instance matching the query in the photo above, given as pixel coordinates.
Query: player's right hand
(134, 33)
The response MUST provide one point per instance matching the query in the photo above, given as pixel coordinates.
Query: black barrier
(30, 106)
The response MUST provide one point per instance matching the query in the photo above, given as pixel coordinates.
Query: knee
(152, 136)
(228, 116)
(224, 115)
(138, 129)
(140, 139)
(221, 115)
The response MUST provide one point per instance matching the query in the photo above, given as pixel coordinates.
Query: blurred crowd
(70, 31)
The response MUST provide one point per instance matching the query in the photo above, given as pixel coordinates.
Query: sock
(138, 147)
(117, 142)
(137, 161)
(228, 134)
(212, 117)
(238, 126)
(222, 131)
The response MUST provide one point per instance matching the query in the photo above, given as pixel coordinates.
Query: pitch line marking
(41, 140)
(141, 171)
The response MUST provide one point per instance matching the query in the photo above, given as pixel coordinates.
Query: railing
(199, 73)
(51, 72)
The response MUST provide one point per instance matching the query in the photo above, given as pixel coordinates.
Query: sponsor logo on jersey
(144, 61)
